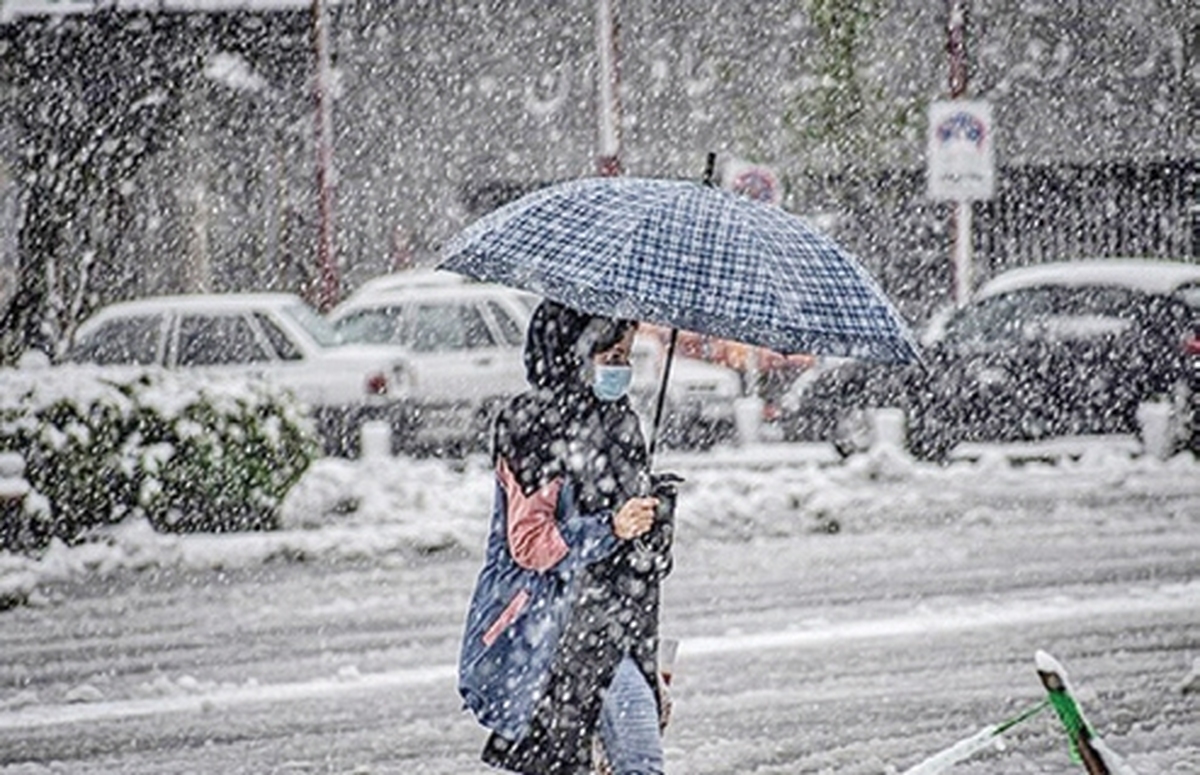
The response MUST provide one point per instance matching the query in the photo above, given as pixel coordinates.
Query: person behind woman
(561, 636)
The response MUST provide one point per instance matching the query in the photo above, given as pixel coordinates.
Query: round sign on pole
(753, 181)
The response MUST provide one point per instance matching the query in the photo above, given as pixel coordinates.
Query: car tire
(931, 434)
(853, 431)
(483, 424)
(338, 431)
(699, 435)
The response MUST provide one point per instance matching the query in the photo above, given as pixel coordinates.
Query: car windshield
(1000, 318)
(316, 326)
(529, 300)
(1048, 312)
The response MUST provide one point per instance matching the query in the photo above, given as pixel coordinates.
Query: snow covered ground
(848, 617)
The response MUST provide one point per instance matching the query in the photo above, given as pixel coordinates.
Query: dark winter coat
(560, 600)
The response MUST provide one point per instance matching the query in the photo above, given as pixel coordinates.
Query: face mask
(611, 382)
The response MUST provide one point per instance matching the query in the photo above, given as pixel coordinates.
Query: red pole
(956, 46)
(327, 283)
(608, 162)
(960, 215)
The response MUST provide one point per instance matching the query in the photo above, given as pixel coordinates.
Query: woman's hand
(634, 518)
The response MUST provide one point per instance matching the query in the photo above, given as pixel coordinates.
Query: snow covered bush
(187, 454)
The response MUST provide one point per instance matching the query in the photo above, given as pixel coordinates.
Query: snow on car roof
(1145, 275)
(412, 278)
(436, 291)
(193, 301)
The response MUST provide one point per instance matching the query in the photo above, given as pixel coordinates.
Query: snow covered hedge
(188, 455)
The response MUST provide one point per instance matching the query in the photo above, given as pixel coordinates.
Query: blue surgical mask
(611, 382)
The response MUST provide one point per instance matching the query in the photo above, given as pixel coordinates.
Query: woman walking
(561, 639)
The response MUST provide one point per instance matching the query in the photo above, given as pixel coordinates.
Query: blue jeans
(629, 723)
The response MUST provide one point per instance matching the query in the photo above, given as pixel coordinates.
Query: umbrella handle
(662, 397)
(710, 168)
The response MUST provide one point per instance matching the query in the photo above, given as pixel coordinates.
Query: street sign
(753, 181)
(960, 162)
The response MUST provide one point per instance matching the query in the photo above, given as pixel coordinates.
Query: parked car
(464, 342)
(1190, 293)
(832, 401)
(699, 407)
(1056, 349)
(274, 337)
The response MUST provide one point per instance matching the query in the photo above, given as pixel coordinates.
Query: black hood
(560, 427)
(553, 360)
(559, 341)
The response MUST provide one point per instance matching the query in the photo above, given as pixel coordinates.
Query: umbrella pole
(662, 396)
(709, 170)
(710, 164)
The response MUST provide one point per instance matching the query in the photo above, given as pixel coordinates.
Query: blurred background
(150, 147)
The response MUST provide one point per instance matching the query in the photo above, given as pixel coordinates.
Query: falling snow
(833, 616)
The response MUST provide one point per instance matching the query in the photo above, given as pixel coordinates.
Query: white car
(464, 342)
(699, 408)
(274, 337)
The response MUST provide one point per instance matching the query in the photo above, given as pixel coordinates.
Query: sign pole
(964, 258)
(609, 159)
(327, 279)
(960, 217)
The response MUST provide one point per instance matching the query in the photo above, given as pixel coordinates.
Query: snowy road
(858, 652)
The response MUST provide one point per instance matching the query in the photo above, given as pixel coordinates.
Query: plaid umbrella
(686, 256)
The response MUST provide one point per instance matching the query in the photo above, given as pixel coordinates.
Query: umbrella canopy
(686, 256)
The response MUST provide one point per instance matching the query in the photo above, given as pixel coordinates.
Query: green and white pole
(1087, 747)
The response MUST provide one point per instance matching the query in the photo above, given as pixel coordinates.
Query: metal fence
(1072, 211)
(1040, 213)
